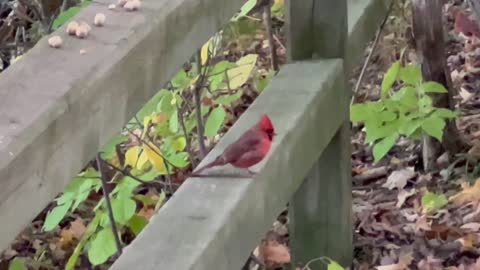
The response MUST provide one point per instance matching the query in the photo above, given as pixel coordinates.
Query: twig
(267, 19)
(279, 42)
(109, 205)
(127, 173)
(187, 138)
(374, 46)
(371, 174)
(197, 92)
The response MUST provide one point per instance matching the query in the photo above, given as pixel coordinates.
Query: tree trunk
(430, 46)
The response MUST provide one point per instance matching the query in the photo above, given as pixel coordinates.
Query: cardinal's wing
(249, 141)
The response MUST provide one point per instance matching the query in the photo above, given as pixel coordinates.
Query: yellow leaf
(279, 2)
(204, 51)
(179, 143)
(142, 160)
(194, 80)
(154, 158)
(239, 75)
(131, 157)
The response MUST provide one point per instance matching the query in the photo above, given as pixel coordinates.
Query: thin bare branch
(109, 204)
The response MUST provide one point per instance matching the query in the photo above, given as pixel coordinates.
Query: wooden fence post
(321, 210)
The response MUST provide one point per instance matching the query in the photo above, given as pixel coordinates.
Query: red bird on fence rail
(248, 150)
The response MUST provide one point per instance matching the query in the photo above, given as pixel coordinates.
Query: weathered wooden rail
(58, 107)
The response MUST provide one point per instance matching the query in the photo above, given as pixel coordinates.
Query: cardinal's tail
(217, 162)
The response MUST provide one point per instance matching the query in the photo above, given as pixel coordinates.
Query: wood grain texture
(320, 211)
(58, 107)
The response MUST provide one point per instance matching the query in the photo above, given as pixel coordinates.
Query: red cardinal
(249, 149)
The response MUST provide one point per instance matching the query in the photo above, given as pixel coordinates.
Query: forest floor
(405, 218)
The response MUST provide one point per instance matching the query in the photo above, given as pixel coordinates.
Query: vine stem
(109, 204)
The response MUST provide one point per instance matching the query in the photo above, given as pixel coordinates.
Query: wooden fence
(58, 107)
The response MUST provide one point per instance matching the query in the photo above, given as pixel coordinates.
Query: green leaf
(214, 122)
(166, 104)
(102, 247)
(151, 105)
(249, 5)
(278, 8)
(163, 130)
(390, 77)
(425, 104)
(411, 74)
(137, 223)
(262, 82)
(229, 99)
(56, 215)
(360, 112)
(146, 200)
(17, 264)
(433, 126)
(108, 151)
(381, 148)
(123, 209)
(432, 202)
(150, 175)
(84, 191)
(387, 116)
(173, 122)
(444, 113)
(179, 143)
(216, 81)
(334, 266)
(126, 186)
(409, 127)
(68, 14)
(179, 160)
(221, 67)
(181, 80)
(433, 87)
(407, 97)
(377, 131)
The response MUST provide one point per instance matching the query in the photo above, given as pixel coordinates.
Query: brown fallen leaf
(472, 226)
(398, 179)
(468, 194)
(443, 232)
(146, 212)
(403, 263)
(469, 241)
(66, 239)
(464, 25)
(78, 228)
(403, 195)
(430, 263)
(423, 224)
